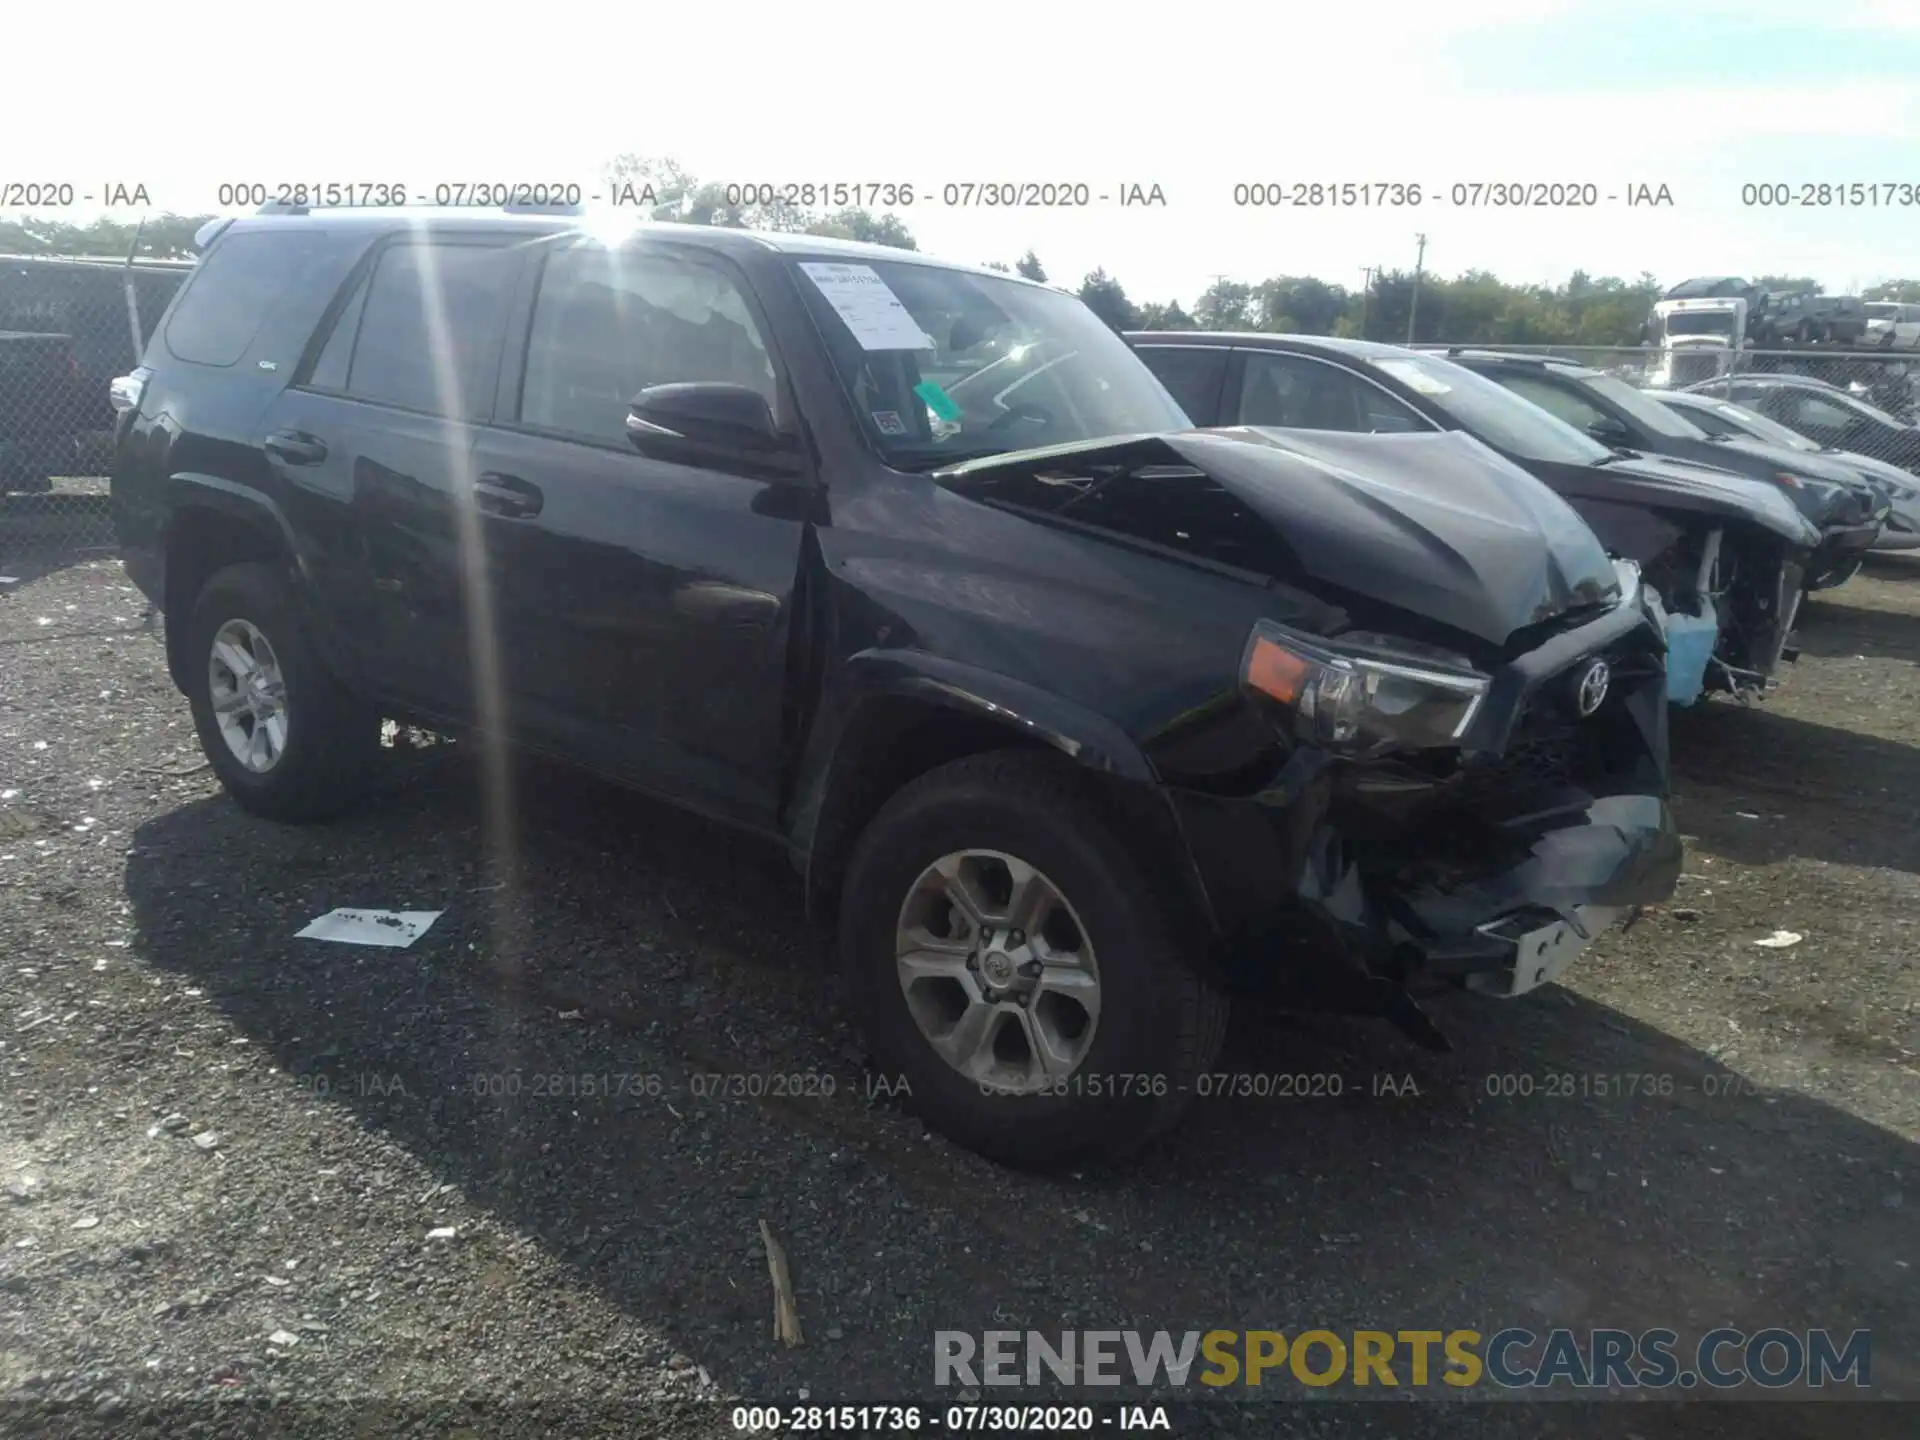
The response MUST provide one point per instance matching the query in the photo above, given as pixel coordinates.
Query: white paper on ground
(371, 927)
(867, 303)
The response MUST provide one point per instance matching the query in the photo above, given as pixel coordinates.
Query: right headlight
(1356, 697)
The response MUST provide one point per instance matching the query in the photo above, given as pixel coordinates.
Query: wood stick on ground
(786, 1317)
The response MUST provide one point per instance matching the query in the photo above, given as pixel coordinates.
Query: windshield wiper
(1615, 454)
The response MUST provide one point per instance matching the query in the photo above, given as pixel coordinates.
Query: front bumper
(1842, 547)
(1514, 931)
(1491, 871)
(1902, 530)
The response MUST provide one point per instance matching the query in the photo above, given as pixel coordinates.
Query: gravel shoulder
(524, 1162)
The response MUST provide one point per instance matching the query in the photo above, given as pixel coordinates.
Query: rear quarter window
(233, 291)
(1194, 376)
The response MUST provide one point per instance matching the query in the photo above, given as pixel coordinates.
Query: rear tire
(284, 736)
(1157, 1022)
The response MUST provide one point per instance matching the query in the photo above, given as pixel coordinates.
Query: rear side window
(233, 291)
(429, 329)
(1192, 375)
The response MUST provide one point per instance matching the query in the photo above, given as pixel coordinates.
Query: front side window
(1803, 407)
(608, 323)
(1294, 392)
(1558, 400)
(429, 333)
(945, 365)
(1737, 419)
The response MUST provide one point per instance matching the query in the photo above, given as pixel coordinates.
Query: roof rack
(82, 262)
(278, 207)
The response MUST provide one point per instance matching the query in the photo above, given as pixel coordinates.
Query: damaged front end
(1727, 603)
(1445, 828)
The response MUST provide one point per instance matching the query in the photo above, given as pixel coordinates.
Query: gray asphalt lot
(601, 1070)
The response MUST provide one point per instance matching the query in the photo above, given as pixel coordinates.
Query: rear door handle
(507, 495)
(296, 447)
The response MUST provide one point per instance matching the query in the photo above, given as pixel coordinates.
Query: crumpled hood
(1435, 524)
(1696, 485)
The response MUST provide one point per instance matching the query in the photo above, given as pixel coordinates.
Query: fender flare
(825, 791)
(190, 490)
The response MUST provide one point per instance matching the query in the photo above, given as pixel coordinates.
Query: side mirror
(674, 421)
(1609, 431)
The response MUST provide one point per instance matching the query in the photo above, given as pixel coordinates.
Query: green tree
(1905, 291)
(1165, 317)
(1299, 305)
(1226, 305)
(1103, 295)
(678, 195)
(1029, 265)
(854, 223)
(164, 237)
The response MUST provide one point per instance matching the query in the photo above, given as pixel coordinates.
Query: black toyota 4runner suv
(1079, 717)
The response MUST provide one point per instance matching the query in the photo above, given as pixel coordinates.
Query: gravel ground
(486, 1178)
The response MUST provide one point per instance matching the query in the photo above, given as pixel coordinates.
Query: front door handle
(507, 495)
(296, 447)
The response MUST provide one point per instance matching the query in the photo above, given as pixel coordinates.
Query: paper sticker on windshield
(938, 400)
(1415, 377)
(889, 422)
(868, 306)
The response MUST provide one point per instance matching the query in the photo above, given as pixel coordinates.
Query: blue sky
(1702, 97)
(1631, 45)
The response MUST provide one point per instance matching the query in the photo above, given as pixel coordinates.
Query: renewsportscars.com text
(1512, 1359)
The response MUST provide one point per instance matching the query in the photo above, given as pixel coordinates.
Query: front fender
(851, 763)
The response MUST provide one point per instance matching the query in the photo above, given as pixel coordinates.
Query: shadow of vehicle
(1758, 785)
(44, 533)
(1447, 1199)
(1832, 627)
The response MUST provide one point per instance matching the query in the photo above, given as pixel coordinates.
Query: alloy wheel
(997, 970)
(249, 696)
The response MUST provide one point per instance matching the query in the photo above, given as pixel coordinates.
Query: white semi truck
(1700, 326)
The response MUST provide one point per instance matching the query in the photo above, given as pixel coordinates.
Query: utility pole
(1365, 294)
(1413, 308)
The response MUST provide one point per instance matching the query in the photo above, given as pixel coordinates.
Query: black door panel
(645, 604)
(646, 633)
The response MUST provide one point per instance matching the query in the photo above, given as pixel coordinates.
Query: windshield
(1490, 412)
(1648, 411)
(943, 365)
(1883, 309)
(1701, 322)
(1722, 418)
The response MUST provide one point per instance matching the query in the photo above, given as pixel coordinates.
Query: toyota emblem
(1592, 691)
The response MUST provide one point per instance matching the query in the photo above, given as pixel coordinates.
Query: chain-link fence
(68, 326)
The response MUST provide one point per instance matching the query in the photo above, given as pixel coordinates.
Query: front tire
(1017, 967)
(283, 735)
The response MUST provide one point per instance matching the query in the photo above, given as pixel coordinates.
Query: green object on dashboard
(938, 401)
